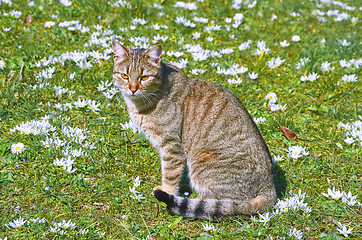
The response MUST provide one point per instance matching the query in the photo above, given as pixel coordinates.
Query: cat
(197, 125)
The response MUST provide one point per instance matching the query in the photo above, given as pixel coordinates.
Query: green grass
(97, 197)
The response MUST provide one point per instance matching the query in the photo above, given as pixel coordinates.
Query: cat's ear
(120, 52)
(155, 54)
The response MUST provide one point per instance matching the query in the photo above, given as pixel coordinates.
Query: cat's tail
(213, 209)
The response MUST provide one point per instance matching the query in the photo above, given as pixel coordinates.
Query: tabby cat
(200, 126)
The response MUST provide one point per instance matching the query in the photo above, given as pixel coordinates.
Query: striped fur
(200, 126)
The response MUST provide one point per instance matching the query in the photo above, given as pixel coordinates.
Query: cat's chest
(158, 125)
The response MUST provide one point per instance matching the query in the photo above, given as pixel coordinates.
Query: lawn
(72, 166)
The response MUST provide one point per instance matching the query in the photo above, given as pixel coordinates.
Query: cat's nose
(134, 90)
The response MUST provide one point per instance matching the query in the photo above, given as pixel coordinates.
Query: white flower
(272, 97)
(297, 151)
(2, 64)
(295, 233)
(349, 140)
(311, 77)
(53, 229)
(81, 103)
(196, 35)
(334, 194)
(234, 70)
(66, 3)
(350, 199)
(295, 38)
(277, 107)
(274, 63)
(253, 75)
(228, 20)
(264, 218)
(209, 227)
(209, 39)
(238, 17)
(84, 231)
(343, 230)
(344, 42)
(259, 120)
(17, 148)
(278, 158)
(326, 66)
(349, 78)
(130, 125)
(64, 224)
(49, 24)
(17, 223)
(245, 45)
(262, 48)
(284, 43)
(295, 202)
(93, 106)
(136, 181)
(235, 81)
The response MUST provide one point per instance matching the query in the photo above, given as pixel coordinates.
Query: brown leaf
(288, 133)
(28, 19)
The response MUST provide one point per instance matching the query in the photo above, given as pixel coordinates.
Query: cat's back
(211, 106)
(215, 118)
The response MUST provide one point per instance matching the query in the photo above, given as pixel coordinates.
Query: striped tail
(213, 209)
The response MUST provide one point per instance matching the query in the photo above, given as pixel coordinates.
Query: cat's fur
(199, 125)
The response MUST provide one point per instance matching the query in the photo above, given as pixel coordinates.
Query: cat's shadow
(279, 180)
(278, 174)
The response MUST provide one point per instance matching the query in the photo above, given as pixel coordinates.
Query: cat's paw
(167, 189)
(158, 188)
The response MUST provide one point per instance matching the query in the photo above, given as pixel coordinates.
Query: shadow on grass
(280, 180)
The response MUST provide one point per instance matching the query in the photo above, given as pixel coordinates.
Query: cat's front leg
(173, 161)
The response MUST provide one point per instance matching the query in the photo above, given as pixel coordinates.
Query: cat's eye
(144, 78)
(124, 76)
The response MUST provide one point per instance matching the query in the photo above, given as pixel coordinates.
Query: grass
(97, 196)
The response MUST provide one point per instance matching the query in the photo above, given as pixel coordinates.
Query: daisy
(272, 97)
(49, 24)
(17, 148)
(295, 38)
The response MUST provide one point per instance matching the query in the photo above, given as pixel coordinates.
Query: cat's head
(137, 71)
